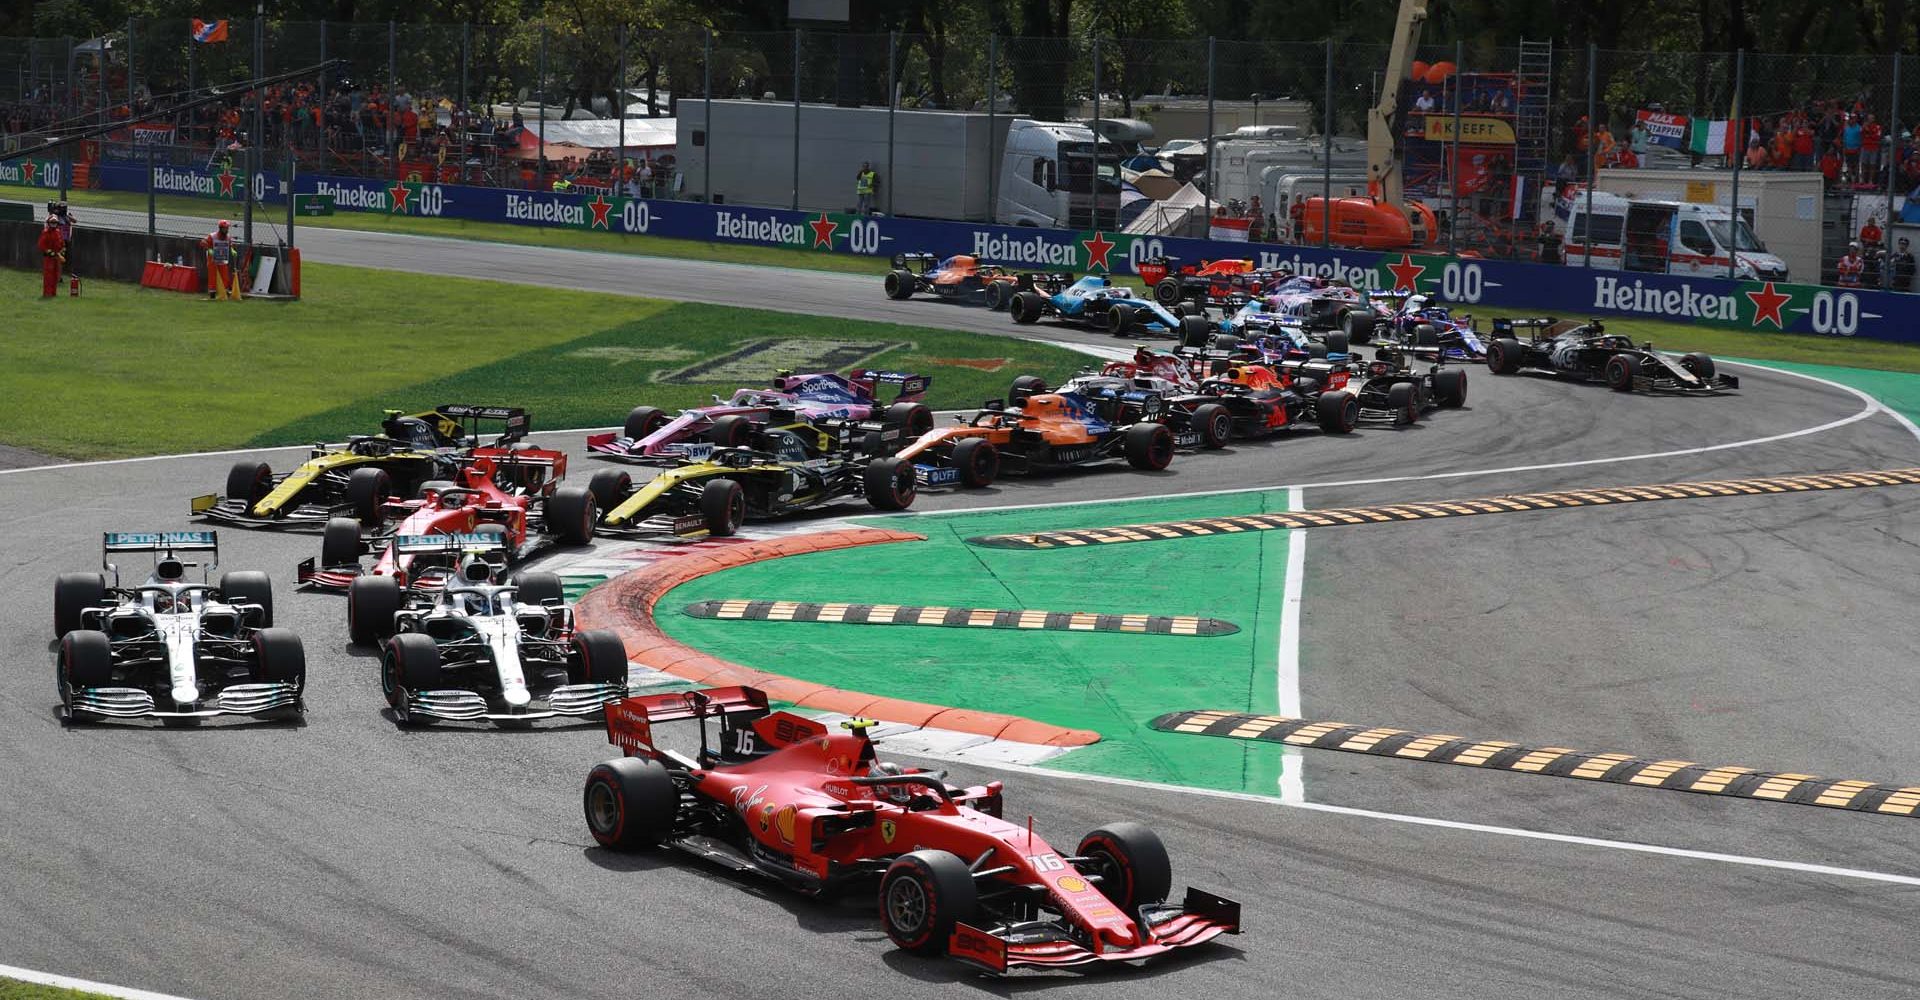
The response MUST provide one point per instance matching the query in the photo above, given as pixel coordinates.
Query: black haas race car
(1591, 354)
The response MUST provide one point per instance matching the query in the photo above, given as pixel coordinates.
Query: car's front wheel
(923, 895)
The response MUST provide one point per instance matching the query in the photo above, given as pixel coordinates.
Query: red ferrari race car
(495, 495)
(781, 796)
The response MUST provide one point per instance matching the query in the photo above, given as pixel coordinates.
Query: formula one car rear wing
(911, 386)
(630, 721)
(163, 544)
(922, 259)
(1505, 326)
(459, 423)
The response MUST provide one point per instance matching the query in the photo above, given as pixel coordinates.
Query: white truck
(1660, 237)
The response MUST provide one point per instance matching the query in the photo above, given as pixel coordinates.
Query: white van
(1661, 237)
(1049, 177)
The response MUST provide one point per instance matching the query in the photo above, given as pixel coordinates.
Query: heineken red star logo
(27, 168)
(600, 206)
(823, 230)
(1097, 250)
(397, 198)
(1766, 306)
(226, 182)
(1406, 274)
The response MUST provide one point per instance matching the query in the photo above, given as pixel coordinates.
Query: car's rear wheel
(609, 487)
(996, 294)
(537, 587)
(1700, 365)
(371, 604)
(899, 284)
(890, 483)
(1215, 424)
(1025, 307)
(1426, 335)
(922, 896)
(1620, 370)
(1149, 447)
(367, 491)
(248, 482)
(1358, 324)
(730, 431)
(723, 505)
(1194, 331)
(1225, 342)
(1316, 349)
(1503, 356)
(642, 421)
(1167, 292)
(631, 803)
(598, 656)
(1450, 387)
(280, 658)
(913, 419)
(1337, 342)
(1404, 400)
(1023, 387)
(411, 662)
(72, 594)
(978, 461)
(340, 542)
(571, 514)
(1338, 411)
(1132, 864)
(250, 586)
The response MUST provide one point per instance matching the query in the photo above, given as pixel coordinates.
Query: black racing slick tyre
(899, 284)
(340, 542)
(1337, 411)
(1215, 424)
(411, 662)
(1503, 356)
(570, 515)
(1194, 331)
(723, 505)
(922, 896)
(280, 658)
(1358, 325)
(537, 587)
(978, 461)
(1425, 335)
(598, 656)
(731, 431)
(1149, 447)
(631, 803)
(1026, 307)
(72, 594)
(247, 482)
(996, 294)
(1132, 864)
(1403, 398)
(86, 660)
(1316, 349)
(1620, 371)
(890, 483)
(1023, 387)
(1700, 365)
(642, 421)
(250, 586)
(371, 604)
(1337, 342)
(367, 491)
(1168, 292)
(1450, 387)
(609, 487)
(1117, 320)
(913, 419)
(1224, 342)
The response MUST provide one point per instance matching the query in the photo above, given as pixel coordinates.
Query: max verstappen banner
(1663, 129)
(1510, 286)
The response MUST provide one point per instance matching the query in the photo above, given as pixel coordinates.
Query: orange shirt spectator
(1756, 156)
(1870, 234)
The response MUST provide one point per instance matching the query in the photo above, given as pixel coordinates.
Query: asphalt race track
(343, 857)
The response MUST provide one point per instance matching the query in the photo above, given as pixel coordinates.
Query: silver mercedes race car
(466, 646)
(169, 647)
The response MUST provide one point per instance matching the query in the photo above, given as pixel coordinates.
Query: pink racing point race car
(504, 494)
(780, 796)
(650, 435)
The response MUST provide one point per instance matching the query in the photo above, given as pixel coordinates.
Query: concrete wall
(95, 253)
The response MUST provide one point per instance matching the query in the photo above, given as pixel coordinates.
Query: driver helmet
(901, 794)
(169, 569)
(1596, 327)
(1416, 303)
(225, 225)
(411, 430)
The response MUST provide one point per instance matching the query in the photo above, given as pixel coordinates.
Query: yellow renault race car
(354, 478)
(781, 470)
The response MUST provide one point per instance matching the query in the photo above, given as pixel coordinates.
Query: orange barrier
(625, 604)
(172, 277)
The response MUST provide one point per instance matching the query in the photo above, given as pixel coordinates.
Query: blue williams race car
(1091, 301)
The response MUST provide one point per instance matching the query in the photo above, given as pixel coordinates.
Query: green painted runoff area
(1110, 683)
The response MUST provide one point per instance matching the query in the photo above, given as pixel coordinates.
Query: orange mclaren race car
(1046, 430)
(961, 276)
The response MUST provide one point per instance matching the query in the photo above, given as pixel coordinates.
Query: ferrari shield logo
(887, 830)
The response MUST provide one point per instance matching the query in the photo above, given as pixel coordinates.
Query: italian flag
(1717, 138)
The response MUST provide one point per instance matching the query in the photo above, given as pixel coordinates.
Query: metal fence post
(393, 64)
(1095, 179)
(130, 51)
(1326, 158)
(1208, 221)
(1739, 125)
(796, 119)
(466, 55)
(153, 228)
(540, 99)
(1593, 177)
(706, 90)
(1453, 168)
(321, 127)
(620, 95)
(993, 133)
(1890, 156)
(893, 103)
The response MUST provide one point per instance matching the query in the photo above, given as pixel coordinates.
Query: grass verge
(126, 371)
(14, 989)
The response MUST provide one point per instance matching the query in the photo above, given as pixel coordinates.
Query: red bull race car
(1213, 282)
(779, 795)
(650, 434)
(961, 276)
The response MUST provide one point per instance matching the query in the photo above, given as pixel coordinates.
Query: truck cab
(1662, 237)
(1049, 176)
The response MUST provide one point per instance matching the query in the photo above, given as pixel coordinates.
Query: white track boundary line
(70, 983)
(1293, 789)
